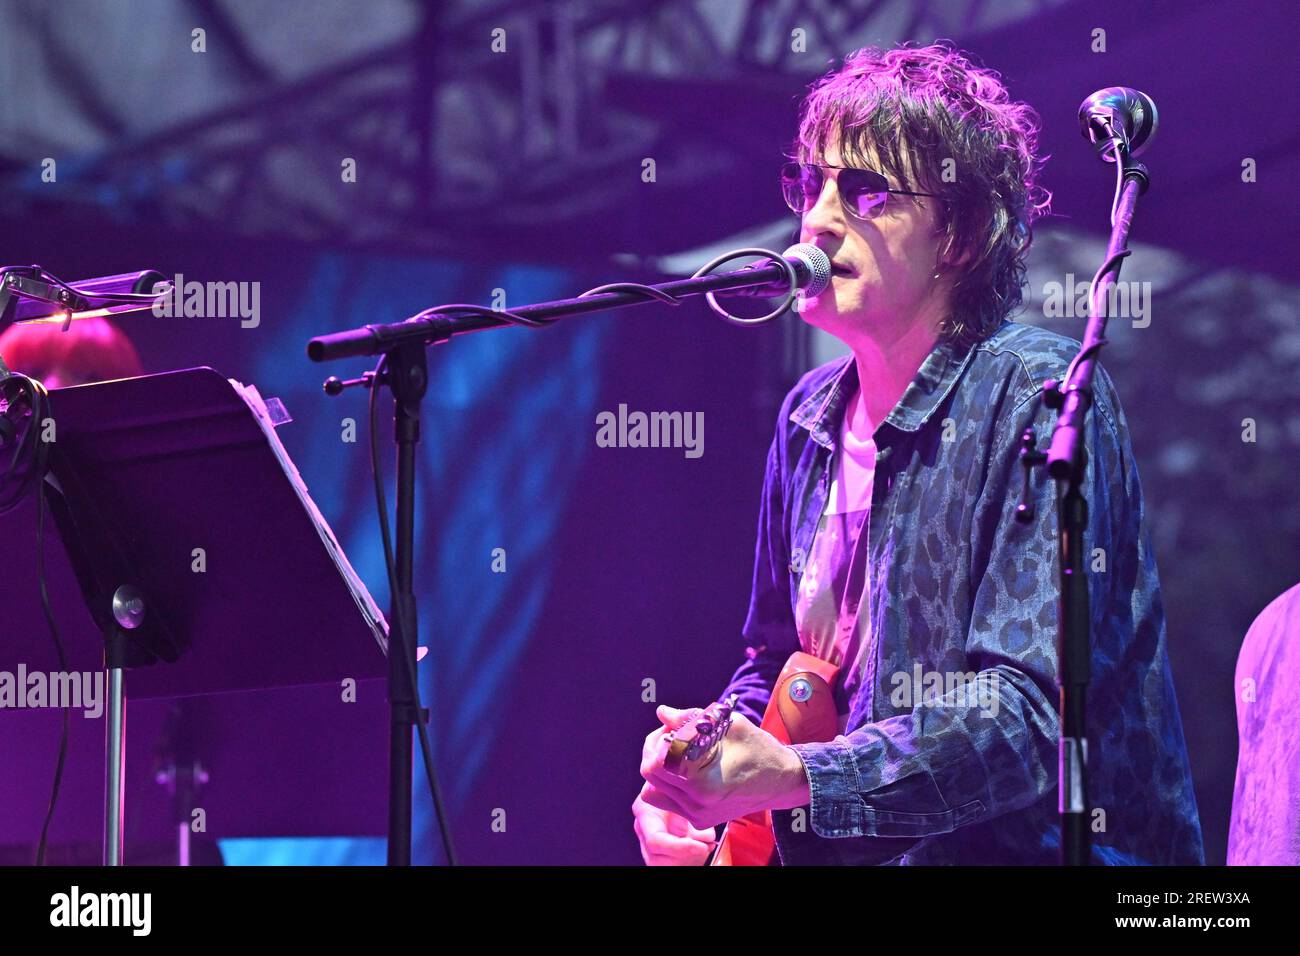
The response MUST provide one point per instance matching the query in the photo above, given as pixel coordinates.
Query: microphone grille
(818, 264)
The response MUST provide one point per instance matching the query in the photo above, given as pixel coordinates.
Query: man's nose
(826, 216)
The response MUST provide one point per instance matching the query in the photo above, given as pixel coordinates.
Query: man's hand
(752, 771)
(668, 839)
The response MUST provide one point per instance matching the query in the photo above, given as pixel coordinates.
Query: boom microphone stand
(404, 370)
(1120, 123)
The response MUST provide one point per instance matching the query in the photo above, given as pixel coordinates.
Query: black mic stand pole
(405, 372)
(437, 325)
(408, 378)
(1066, 460)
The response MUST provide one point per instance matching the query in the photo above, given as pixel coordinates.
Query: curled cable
(650, 292)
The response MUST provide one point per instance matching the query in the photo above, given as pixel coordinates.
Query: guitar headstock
(696, 740)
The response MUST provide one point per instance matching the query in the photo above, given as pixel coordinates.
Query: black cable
(1119, 148)
(31, 457)
(1091, 350)
(650, 292)
(30, 453)
(403, 629)
(1111, 262)
(63, 665)
(509, 316)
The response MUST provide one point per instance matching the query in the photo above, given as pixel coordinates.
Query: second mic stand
(1067, 462)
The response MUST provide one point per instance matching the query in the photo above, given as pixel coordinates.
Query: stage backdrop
(361, 166)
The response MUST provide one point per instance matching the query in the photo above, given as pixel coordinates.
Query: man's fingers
(694, 858)
(654, 751)
(664, 800)
(677, 826)
(665, 843)
(647, 823)
(666, 836)
(672, 718)
(672, 821)
(680, 826)
(740, 726)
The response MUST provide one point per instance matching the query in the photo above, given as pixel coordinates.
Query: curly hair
(921, 112)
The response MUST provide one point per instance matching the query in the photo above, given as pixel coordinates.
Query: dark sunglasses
(862, 191)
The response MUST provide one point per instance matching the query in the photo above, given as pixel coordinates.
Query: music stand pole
(114, 751)
(128, 612)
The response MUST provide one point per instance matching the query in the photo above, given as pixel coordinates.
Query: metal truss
(459, 145)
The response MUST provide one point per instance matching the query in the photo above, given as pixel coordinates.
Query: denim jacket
(960, 587)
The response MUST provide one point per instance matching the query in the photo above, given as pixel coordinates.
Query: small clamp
(1030, 458)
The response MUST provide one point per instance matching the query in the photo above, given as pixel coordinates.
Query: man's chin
(814, 311)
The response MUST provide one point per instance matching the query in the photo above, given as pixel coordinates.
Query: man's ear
(949, 260)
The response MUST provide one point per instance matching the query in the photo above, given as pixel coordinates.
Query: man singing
(887, 538)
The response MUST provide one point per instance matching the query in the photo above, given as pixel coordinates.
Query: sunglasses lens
(864, 192)
(801, 185)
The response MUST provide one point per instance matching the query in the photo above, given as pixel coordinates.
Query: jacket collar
(822, 413)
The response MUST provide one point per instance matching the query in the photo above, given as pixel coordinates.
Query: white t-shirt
(835, 581)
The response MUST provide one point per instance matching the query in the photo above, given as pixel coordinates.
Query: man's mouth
(839, 270)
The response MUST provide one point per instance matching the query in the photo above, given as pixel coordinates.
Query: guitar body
(802, 711)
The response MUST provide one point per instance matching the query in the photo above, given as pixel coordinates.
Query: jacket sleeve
(990, 745)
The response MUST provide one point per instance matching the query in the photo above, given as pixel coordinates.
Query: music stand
(198, 551)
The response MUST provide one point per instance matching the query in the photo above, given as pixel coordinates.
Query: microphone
(812, 273)
(1118, 112)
